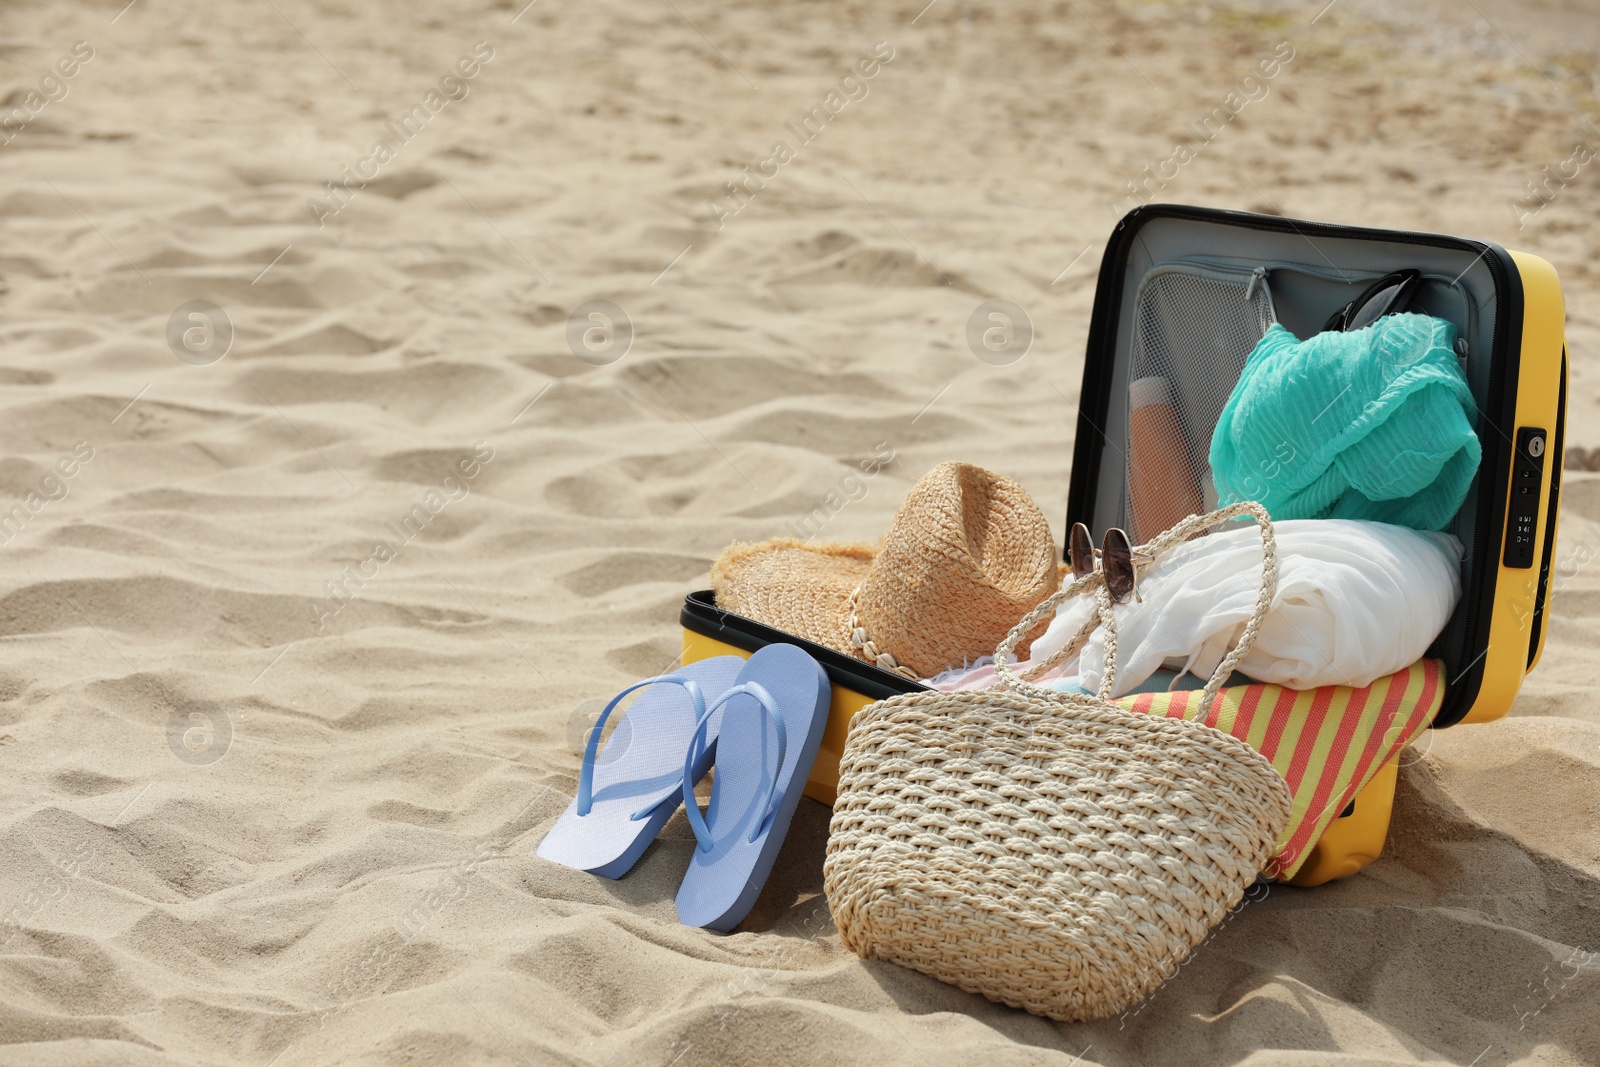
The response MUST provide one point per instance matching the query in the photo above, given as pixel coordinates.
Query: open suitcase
(1184, 293)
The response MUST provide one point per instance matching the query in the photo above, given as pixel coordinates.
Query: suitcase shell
(1509, 308)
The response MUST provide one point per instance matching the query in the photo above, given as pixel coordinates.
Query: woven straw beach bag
(1052, 852)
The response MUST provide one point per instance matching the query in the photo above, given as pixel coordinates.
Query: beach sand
(245, 821)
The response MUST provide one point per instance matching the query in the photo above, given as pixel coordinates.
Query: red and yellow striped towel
(1327, 742)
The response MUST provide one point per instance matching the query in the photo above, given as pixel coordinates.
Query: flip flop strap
(697, 822)
(592, 750)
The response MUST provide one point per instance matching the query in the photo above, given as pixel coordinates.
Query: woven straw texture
(1052, 852)
(967, 555)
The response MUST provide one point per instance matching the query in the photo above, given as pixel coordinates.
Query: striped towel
(1326, 742)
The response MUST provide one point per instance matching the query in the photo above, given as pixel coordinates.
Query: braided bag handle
(1103, 616)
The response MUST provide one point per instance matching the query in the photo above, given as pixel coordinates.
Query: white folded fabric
(1355, 601)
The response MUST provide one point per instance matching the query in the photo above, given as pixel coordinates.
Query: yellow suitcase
(1178, 260)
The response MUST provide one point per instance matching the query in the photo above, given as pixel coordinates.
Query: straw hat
(968, 554)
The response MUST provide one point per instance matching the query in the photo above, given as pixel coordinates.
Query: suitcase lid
(1223, 276)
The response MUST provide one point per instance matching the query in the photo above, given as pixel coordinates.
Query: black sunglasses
(1390, 294)
(1116, 558)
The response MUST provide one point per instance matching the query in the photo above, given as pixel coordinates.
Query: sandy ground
(246, 822)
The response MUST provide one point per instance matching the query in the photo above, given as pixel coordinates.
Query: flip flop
(771, 728)
(627, 793)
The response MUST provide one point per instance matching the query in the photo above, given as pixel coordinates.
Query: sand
(288, 697)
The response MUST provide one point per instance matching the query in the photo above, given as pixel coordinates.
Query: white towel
(1355, 601)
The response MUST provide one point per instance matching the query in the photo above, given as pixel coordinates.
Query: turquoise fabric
(1373, 424)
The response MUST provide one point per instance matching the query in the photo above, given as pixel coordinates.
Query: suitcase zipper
(1224, 270)
(1260, 274)
(1257, 277)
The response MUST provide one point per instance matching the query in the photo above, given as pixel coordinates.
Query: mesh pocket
(1193, 328)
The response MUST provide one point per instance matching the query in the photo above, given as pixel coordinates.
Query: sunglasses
(1387, 295)
(1116, 560)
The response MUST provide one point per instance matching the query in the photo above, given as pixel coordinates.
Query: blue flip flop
(771, 728)
(627, 792)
